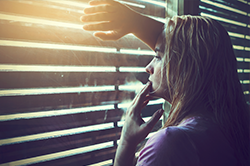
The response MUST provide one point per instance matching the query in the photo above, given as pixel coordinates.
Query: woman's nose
(149, 69)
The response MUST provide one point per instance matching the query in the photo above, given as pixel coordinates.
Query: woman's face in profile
(154, 68)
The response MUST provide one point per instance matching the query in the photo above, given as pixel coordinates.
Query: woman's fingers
(153, 120)
(141, 99)
(101, 2)
(144, 104)
(100, 9)
(98, 17)
(111, 35)
(102, 6)
(135, 100)
(109, 15)
(104, 26)
(143, 93)
(147, 99)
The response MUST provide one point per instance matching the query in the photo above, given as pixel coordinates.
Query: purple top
(195, 142)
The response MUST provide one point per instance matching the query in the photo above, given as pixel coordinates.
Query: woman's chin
(157, 94)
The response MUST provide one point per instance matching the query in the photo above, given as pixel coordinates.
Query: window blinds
(62, 91)
(235, 17)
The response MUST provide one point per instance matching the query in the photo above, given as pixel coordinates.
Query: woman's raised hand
(114, 20)
(135, 129)
(110, 16)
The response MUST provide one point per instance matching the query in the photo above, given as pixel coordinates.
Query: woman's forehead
(161, 41)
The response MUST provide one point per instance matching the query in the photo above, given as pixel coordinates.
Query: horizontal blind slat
(243, 76)
(71, 140)
(225, 12)
(63, 154)
(57, 144)
(66, 79)
(242, 53)
(241, 7)
(241, 42)
(40, 9)
(41, 56)
(33, 125)
(35, 103)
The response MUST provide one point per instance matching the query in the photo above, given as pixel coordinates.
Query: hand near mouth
(135, 128)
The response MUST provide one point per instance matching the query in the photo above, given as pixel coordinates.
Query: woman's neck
(199, 110)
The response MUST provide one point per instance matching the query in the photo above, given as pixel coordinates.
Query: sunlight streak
(224, 20)
(71, 3)
(39, 21)
(136, 52)
(62, 154)
(54, 134)
(132, 69)
(42, 114)
(224, 7)
(56, 46)
(45, 68)
(42, 91)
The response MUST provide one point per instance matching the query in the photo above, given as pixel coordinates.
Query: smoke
(133, 85)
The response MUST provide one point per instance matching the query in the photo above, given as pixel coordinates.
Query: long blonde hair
(201, 68)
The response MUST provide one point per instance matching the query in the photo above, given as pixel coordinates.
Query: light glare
(224, 20)
(56, 46)
(54, 134)
(62, 154)
(236, 35)
(39, 21)
(42, 91)
(136, 52)
(45, 68)
(224, 7)
(132, 69)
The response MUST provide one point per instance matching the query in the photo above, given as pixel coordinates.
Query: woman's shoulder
(178, 135)
(168, 135)
(194, 126)
(192, 142)
(168, 146)
(174, 138)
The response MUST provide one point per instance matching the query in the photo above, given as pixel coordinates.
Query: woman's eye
(157, 57)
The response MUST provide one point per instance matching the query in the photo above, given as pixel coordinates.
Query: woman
(195, 70)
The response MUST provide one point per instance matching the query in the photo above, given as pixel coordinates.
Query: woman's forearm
(125, 155)
(148, 30)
